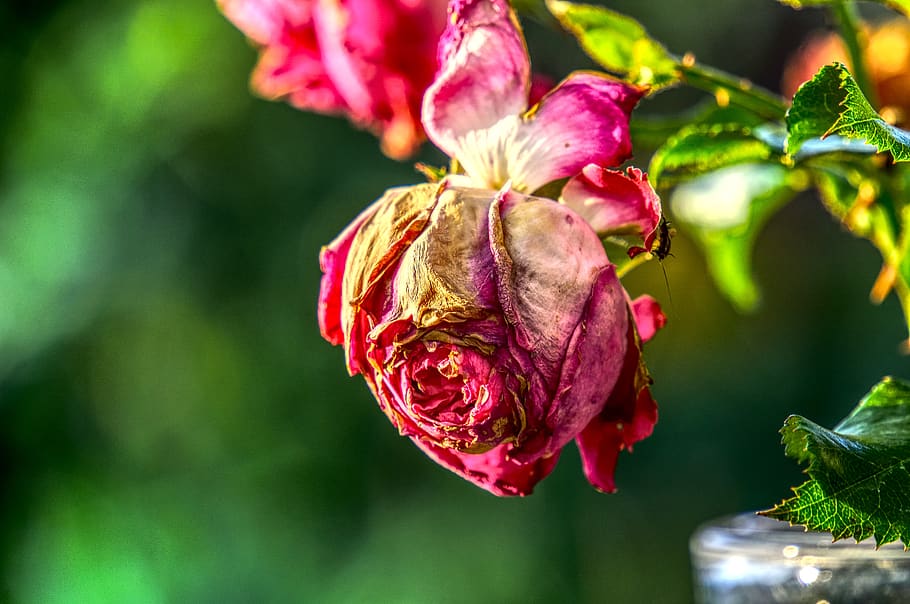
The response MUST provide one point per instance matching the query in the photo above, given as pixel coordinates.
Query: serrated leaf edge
(797, 445)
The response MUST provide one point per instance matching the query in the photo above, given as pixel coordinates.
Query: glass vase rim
(750, 535)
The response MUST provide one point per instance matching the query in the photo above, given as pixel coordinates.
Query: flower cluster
(488, 322)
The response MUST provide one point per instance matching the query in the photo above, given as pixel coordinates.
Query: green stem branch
(737, 91)
(630, 265)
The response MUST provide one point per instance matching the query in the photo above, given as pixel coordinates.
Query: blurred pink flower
(368, 59)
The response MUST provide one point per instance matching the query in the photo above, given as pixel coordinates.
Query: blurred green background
(172, 426)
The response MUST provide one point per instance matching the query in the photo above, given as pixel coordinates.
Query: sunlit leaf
(702, 148)
(623, 47)
(618, 42)
(832, 103)
(859, 472)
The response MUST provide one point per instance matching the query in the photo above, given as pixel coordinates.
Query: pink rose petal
(649, 318)
(484, 74)
(628, 417)
(264, 21)
(584, 120)
(370, 60)
(598, 346)
(602, 440)
(280, 72)
(614, 202)
(541, 84)
(494, 470)
(547, 259)
(347, 71)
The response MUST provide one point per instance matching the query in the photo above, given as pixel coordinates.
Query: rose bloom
(887, 55)
(489, 322)
(368, 59)
(492, 330)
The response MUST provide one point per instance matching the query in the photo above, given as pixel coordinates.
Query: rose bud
(368, 59)
(492, 329)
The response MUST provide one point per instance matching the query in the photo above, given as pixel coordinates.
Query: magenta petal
(494, 471)
(291, 63)
(602, 440)
(541, 84)
(484, 73)
(614, 202)
(332, 261)
(649, 318)
(584, 120)
(592, 368)
(299, 76)
(627, 417)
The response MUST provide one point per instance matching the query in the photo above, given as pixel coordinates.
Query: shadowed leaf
(859, 472)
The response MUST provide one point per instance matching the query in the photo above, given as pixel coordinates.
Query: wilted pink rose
(492, 329)
(368, 59)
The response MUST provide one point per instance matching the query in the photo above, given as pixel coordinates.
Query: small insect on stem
(660, 247)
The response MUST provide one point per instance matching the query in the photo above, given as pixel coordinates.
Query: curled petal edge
(332, 260)
(614, 202)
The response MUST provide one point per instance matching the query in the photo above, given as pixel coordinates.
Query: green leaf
(859, 472)
(871, 203)
(725, 210)
(832, 103)
(900, 5)
(902, 262)
(702, 148)
(619, 43)
(653, 131)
